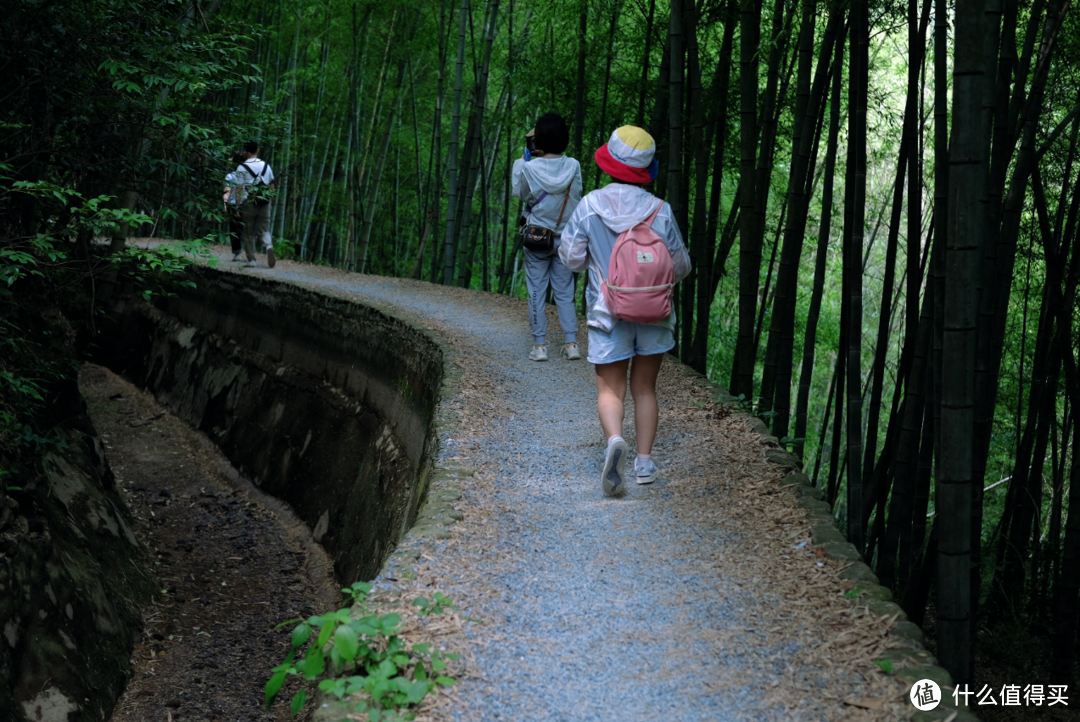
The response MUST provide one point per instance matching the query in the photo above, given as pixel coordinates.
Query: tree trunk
(809, 108)
(674, 133)
(607, 84)
(718, 126)
(1067, 590)
(373, 199)
(316, 185)
(283, 178)
(579, 94)
(455, 129)
(742, 374)
(907, 447)
(967, 184)
(806, 375)
(476, 123)
(646, 56)
(859, 83)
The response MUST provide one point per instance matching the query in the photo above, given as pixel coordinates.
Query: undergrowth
(388, 679)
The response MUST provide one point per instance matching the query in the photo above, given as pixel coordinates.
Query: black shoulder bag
(539, 239)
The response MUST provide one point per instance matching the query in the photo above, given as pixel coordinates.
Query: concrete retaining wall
(325, 404)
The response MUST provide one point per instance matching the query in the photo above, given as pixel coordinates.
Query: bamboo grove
(881, 201)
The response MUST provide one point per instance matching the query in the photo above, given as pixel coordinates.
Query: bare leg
(610, 392)
(643, 375)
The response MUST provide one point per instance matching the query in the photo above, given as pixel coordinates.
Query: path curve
(696, 598)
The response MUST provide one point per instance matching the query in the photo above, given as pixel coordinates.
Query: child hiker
(640, 229)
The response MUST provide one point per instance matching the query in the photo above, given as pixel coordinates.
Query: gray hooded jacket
(555, 176)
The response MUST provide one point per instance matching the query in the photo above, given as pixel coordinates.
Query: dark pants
(236, 232)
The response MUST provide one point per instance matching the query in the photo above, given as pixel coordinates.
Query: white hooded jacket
(555, 176)
(590, 236)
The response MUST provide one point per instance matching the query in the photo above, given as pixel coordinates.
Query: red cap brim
(619, 170)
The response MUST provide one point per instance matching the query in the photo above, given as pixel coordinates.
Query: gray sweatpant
(539, 272)
(256, 227)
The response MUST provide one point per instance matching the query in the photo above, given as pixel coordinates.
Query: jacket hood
(621, 206)
(552, 175)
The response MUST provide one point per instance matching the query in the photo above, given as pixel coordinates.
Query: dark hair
(238, 156)
(552, 135)
(613, 179)
(252, 146)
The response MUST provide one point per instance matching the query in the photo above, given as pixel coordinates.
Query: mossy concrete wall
(71, 579)
(325, 404)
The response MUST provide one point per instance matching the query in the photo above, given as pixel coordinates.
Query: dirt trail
(229, 568)
(696, 598)
(699, 597)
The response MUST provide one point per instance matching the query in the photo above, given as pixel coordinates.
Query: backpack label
(643, 257)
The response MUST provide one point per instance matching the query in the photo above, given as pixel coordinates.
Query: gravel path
(689, 599)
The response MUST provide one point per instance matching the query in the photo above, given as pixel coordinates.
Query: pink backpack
(641, 275)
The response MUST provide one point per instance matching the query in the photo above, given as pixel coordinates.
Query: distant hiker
(550, 185)
(232, 209)
(254, 179)
(631, 245)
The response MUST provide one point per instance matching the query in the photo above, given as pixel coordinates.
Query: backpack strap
(257, 176)
(528, 209)
(652, 217)
(563, 209)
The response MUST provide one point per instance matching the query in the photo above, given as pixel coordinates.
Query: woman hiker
(617, 346)
(550, 185)
(232, 209)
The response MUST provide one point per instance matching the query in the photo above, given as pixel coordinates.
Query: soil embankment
(228, 564)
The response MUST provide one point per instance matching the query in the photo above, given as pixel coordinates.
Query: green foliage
(436, 605)
(388, 676)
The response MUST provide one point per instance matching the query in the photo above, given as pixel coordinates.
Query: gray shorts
(626, 340)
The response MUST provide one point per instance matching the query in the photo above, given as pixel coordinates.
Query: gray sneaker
(645, 471)
(538, 353)
(613, 479)
(570, 352)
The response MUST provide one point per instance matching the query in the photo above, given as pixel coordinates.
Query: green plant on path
(389, 676)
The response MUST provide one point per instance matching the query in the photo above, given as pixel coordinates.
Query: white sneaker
(250, 264)
(538, 353)
(645, 471)
(271, 259)
(570, 352)
(613, 479)
(237, 257)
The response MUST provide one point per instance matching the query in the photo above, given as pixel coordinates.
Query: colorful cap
(629, 155)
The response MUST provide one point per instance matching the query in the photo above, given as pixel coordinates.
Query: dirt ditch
(230, 565)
